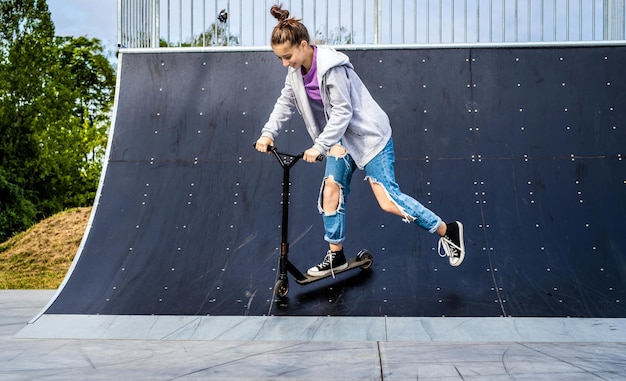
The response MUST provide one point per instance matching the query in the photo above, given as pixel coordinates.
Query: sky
(91, 18)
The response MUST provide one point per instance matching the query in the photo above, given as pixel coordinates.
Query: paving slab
(305, 359)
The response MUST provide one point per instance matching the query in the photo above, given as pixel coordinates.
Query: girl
(349, 127)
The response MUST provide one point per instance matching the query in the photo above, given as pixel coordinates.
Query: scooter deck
(352, 264)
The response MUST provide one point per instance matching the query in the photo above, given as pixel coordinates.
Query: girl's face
(295, 56)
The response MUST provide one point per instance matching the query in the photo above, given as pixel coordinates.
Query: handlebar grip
(269, 147)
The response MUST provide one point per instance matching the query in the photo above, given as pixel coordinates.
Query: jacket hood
(327, 58)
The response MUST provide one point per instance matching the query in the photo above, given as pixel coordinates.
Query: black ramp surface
(524, 145)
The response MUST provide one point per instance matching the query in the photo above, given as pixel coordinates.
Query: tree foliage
(55, 98)
(340, 36)
(216, 35)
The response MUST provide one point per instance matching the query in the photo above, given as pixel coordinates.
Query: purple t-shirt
(310, 80)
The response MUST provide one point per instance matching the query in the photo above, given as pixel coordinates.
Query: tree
(26, 31)
(215, 35)
(340, 36)
(55, 96)
(73, 143)
(16, 211)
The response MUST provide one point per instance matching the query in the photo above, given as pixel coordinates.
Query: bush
(17, 213)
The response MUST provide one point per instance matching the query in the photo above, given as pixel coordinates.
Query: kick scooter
(363, 259)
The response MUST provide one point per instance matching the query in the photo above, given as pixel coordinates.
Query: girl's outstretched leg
(380, 173)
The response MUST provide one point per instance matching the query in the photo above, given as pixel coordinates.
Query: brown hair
(288, 29)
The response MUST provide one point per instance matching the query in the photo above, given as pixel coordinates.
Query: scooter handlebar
(300, 155)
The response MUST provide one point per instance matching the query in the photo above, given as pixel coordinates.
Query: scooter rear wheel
(365, 256)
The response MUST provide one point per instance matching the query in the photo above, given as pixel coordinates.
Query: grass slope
(40, 257)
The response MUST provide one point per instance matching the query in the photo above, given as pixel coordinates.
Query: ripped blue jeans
(380, 170)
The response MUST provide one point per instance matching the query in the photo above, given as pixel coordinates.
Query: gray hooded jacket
(351, 115)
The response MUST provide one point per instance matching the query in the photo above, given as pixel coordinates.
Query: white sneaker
(332, 262)
(453, 244)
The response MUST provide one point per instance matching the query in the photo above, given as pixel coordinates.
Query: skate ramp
(525, 145)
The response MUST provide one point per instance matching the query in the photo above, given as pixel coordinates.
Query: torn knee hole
(330, 195)
(389, 205)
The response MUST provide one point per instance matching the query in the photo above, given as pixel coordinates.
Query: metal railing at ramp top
(181, 23)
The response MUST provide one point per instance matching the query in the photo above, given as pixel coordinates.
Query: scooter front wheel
(364, 255)
(281, 288)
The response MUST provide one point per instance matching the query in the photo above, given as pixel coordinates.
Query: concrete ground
(586, 349)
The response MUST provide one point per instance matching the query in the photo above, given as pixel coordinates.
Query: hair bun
(279, 13)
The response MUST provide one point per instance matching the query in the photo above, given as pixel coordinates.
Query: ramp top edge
(508, 45)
